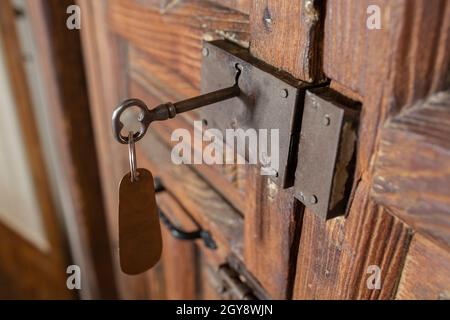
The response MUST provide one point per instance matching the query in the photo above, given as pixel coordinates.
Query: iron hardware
(265, 99)
(327, 152)
(269, 99)
(181, 234)
(170, 110)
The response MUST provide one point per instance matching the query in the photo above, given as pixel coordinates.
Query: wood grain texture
(409, 26)
(178, 263)
(198, 198)
(66, 88)
(385, 69)
(272, 225)
(334, 256)
(426, 274)
(412, 172)
(239, 5)
(372, 64)
(174, 38)
(287, 34)
(389, 67)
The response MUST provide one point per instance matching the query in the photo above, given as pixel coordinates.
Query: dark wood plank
(174, 38)
(376, 68)
(272, 225)
(412, 172)
(373, 70)
(287, 34)
(334, 255)
(407, 27)
(178, 262)
(201, 201)
(426, 274)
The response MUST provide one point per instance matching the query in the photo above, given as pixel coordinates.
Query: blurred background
(50, 195)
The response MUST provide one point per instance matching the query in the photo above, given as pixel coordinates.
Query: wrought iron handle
(181, 234)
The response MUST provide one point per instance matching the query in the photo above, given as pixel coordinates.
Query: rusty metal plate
(269, 100)
(326, 154)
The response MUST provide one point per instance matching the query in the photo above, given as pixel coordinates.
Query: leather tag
(140, 242)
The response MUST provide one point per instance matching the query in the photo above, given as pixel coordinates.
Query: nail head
(284, 93)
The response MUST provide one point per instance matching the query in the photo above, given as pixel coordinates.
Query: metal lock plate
(269, 99)
(327, 151)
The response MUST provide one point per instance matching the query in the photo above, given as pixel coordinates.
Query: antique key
(140, 242)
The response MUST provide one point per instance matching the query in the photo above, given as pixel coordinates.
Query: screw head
(326, 120)
(313, 199)
(205, 52)
(284, 93)
(302, 196)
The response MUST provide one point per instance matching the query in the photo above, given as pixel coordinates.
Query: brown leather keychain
(140, 242)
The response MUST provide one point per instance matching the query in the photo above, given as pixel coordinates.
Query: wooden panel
(407, 27)
(412, 172)
(173, 40)
(170, 36)
(334, 255)
(211, 286)
(66, 86)
(204, 204)
(287, 34)
(27, 273)
(272, 225)
(426, 274)
(105, 56)
(376, 68)
(177, 269)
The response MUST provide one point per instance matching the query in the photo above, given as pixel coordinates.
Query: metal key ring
(132, 157)
(117, 125)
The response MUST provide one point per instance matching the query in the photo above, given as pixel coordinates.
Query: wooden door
(398, 210)
(33, 252)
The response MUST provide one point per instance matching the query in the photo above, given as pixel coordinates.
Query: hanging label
(140, 242)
